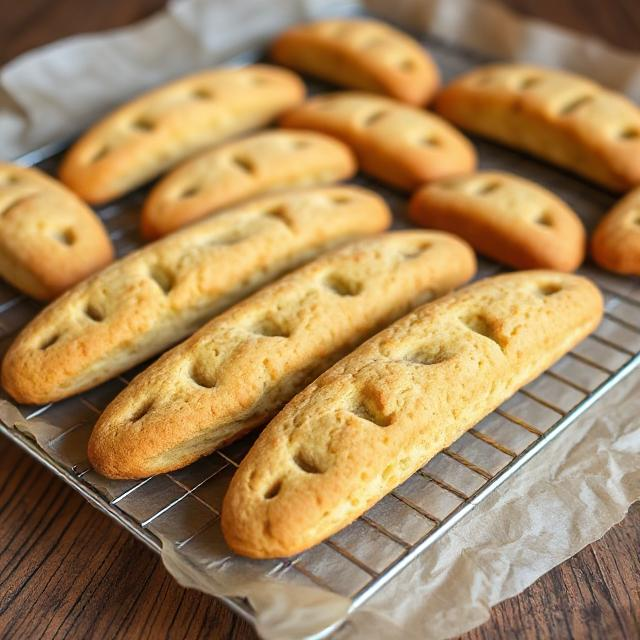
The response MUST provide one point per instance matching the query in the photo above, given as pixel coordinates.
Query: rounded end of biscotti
(73, 173)
(149, 230)
(617, 257)
(101, 457)
(16, 381)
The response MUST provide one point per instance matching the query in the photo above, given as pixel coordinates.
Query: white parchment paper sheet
(563, 500)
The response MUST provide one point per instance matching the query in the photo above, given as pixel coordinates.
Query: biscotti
(382, 412)
(158, 295)
(360, 54)
(615, 244)
(239, 170)
(239, 369)
(507, 218)
(563, 118)
(140, 140)
(49, 239)
(398, 144)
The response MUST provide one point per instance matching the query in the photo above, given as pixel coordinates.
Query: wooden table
(67, 571)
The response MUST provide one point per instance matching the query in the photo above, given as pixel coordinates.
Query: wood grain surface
(67, 571)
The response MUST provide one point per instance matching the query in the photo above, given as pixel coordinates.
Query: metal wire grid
(183, 507)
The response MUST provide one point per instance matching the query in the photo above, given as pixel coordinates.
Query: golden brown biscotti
(400, 145)
(507, 218)
(360, 54)
(147, 136)
(49, 239)
(239, 170)
(563, 118)
(384, 411)
(239, 369)
(615, 244)
(162, 293)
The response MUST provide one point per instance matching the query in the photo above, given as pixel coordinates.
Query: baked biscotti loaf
(384, 411)
(561, 117)
(160, 294)
(615, 244)
(242, 169)
(49, 239)
(398, 144)
(239, 369)
(505, 217)
(147, 136)
(360, 54)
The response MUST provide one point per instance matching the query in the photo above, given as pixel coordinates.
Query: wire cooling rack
(183, 507)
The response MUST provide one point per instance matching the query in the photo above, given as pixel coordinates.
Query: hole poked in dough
(488, 187)
(189, 192)
(141, 411)
(342, 285)
(374, 117)
(246, 165)
(202, 93)
(14, 204)
(413, 252)
(306, 462)
(93, 312)
(9, 179)
(162, 277)
(229, 237)
(101, 153)
(143, 124)
(365, 409)
(574, 105)
(49, 341)
(202, 377)
(529, 82)
(429, 354)
(273, 490)
(66, 236)
(280, 213)
(483, 326)
(548, 288)
(430, 140)
(544, 219)
(270, 328)
(629, 133)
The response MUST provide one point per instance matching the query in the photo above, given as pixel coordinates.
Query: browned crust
(615, 244)
(398, 144)
(229, 377)
(382, 412)
(360, 54)
(261, 163)
(504, 217)
(162, 293)
(49, 239)
(149, 135)
(558, 116)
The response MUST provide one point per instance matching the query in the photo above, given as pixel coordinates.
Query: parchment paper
(564, 499)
